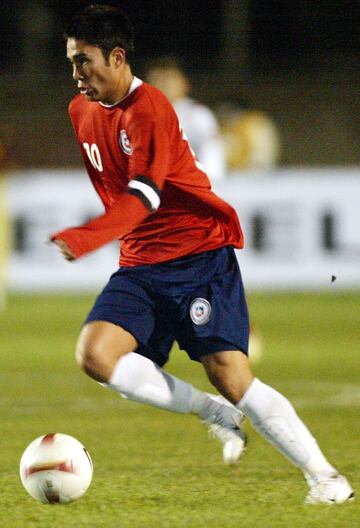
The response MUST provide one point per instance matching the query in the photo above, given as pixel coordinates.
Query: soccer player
(178, 276)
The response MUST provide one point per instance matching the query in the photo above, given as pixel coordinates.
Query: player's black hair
(105, 27)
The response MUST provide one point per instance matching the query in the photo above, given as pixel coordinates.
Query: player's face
(97, 78)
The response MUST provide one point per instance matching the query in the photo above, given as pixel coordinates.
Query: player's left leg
(273, 416)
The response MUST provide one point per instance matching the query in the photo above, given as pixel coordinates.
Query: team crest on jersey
(200, 311)
(125, 143)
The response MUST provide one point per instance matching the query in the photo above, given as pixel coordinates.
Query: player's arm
(148, 169)
(127, 213)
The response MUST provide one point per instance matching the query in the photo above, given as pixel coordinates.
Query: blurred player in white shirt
(197, 120)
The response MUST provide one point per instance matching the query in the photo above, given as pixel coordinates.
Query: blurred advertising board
(302, 229)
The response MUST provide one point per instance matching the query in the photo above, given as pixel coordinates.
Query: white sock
(273, 416)
(139, 379)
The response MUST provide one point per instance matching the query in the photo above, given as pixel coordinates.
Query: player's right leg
(104, 353)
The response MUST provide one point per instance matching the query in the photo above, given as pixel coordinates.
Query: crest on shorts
(200, 311)
(125, 143)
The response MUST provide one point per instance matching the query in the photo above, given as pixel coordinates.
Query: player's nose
(77, 75)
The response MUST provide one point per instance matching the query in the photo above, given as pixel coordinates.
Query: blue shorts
(198, 301)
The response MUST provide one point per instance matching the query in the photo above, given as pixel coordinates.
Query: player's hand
(64, 249)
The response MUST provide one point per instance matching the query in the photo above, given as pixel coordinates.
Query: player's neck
(122, 88)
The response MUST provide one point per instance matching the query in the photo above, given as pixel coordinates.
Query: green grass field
(157, 469)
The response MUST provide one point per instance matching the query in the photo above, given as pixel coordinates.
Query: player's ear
(118, 56)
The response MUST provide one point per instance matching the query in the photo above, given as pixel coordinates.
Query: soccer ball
(56, 468)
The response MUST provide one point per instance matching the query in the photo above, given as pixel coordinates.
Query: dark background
(298, 62)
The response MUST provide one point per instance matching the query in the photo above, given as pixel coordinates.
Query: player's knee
(89, 354)
(94, 353)
(99, 347)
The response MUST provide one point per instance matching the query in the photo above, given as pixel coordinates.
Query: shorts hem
(213, 349)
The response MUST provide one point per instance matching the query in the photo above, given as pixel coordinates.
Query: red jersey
(157, 198)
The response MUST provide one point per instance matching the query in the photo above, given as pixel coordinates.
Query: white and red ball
(56, 468)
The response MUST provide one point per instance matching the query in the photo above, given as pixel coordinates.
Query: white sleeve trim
(148, 192)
